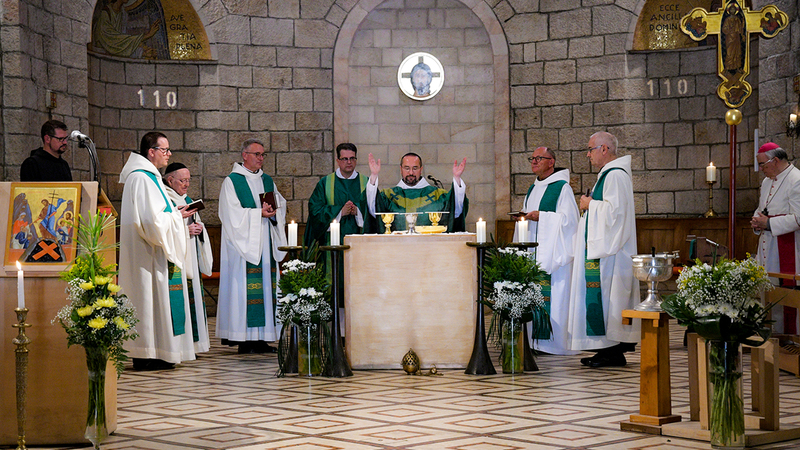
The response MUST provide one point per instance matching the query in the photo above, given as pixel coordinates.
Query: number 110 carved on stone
(171, 98)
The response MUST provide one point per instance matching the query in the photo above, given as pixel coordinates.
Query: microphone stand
(93, 160)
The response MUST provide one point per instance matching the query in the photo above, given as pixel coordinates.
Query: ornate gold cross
(734, 22)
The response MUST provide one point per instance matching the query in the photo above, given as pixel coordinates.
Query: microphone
(436, 182)
(78, 136)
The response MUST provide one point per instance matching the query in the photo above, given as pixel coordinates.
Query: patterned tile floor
(228, 401)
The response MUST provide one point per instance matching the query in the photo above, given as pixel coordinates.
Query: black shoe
(609, 360)
(247, 348)
(151, 364)
(588, 361)
(263, 347)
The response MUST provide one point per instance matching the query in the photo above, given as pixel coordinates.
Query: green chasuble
(595, 323)
(255, 288)
(176, 304)
(548, 203)
(327, 201)
(429, 198)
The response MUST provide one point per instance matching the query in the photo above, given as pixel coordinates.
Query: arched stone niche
(468, 118)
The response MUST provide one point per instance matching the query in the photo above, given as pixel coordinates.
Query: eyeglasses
(257, 155)
(163, 150)
(591, 149)
(765, 162)
(538, 159)
(182, 180)
(60, 139)
(350, 159)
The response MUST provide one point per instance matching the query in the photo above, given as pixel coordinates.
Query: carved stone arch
(501, 144)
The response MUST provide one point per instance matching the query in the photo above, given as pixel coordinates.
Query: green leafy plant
(97, 315)
(512, 289)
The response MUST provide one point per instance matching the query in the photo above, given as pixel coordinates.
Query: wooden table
(409, 291)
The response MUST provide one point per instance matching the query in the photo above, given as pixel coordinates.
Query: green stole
(548, 203)
(256, 316)
(175, 282)
(595, 324)
(330, 182)
(190, 288)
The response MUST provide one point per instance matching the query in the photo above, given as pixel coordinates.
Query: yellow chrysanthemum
(86, 285)
(113, 288)
(105, 302)
(98, 280)
(98, 323)
(85, 311)
(121, 323)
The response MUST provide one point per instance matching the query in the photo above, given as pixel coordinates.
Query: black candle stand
(480, 363)
(337, 366)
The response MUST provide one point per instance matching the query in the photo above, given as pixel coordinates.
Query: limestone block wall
(43, 48)
(569, 71)
(457, 123)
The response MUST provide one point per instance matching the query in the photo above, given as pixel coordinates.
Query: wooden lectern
(57, 391)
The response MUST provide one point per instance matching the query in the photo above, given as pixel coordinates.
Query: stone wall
(457, 123)
(43, 48)
(570, 72)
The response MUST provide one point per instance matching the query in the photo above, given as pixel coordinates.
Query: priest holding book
(252, 213)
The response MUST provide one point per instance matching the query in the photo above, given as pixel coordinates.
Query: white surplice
(781, 199)
(555, 233)
(199, 260)
(149, 236)
(247, 237)
(611, 237)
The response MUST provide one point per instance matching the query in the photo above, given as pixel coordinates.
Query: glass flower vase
(511, 353)
(96, 361)
(309, 358)
(725, 402)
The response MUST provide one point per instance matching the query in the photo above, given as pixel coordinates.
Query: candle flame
(711, 164)
(480, 219)
(19, 266)
(293, 221)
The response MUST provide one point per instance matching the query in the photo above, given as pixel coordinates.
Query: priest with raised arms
(152, 252)
(252, 231)
(777, 222)
(199, 258)
(414, 194)
(552, 216)
(603, 284)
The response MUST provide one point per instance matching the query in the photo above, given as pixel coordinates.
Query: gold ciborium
(387, 218)
(435, 217)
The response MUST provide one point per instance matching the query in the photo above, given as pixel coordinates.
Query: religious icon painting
(43, 220)
(420, 76)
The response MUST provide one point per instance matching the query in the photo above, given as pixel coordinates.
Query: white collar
(352, 176)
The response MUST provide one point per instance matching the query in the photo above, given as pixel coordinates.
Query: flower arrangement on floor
(303, 300)
(511, 286)
(97, 317)
(721, 303)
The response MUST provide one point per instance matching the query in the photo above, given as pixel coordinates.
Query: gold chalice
(435, 217)
(387, 218)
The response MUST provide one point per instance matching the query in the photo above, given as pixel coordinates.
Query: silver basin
(652, 269)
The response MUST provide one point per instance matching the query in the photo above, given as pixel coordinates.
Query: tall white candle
(335, 240)
(480, 230)
(20, 288)
(793, 118)
(523, 230)
(292, 234)
(711, 173)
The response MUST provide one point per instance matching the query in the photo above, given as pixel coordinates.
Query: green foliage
(97, 315)
(721, 302)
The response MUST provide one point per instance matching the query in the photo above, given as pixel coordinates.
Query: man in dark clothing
(45, 163)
